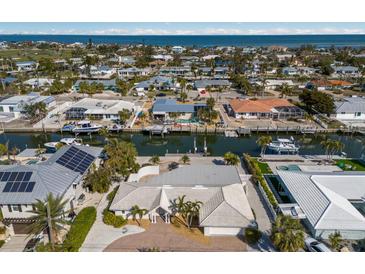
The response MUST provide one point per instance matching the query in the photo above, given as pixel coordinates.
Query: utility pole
(49, 223)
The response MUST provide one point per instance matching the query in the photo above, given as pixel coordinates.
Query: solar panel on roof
(30, 187)
(23, 186)
(5, 176)
(13, 176)
(27, 176)
(20, 176)
(15, 187)
(7, 187)
(76, 160)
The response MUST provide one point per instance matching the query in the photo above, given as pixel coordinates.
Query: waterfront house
(97, 109)
(38, 82)
(348, 71)
(201, 85)
(175, 71)
(169, 109)
(328, 201)
(61, 174)
(350, 109)
(133, 72)
(14, 105)
(107, 84)
(265, 108)
(225, 209)
(156, 83)
(26, 66)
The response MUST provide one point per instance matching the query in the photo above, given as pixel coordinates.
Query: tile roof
(260, 105)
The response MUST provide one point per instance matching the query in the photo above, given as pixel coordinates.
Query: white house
(178, 49)
(61, 174)
(328, 201)
(225, 209)
(90, 108)
(38, 82)
(133, 72)
(15, 104)
(26, 66)
(350, 109)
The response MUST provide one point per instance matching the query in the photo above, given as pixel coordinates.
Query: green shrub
(258, 178)
(79, 229)
(252, 235)
(110, 218)
(2, 230)
(2, 242)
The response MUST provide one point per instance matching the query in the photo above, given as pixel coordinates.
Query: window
(1, 109)
(11, 109)
(16, 208)
(357, 114)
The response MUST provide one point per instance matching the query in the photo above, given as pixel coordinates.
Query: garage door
(222, 231)
(21, 228)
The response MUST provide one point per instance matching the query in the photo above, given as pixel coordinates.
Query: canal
(182, 143)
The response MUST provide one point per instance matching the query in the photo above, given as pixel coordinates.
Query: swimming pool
(289, 167)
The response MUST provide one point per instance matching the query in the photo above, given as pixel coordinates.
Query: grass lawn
(355, 165)
(264, 167)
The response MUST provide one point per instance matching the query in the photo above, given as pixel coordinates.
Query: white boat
(86, 127)
(284, 145)
(116, 128)
(52, 146)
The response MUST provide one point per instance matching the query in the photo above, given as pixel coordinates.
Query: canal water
(183, 143)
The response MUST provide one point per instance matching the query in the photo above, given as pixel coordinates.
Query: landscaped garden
(351, 165)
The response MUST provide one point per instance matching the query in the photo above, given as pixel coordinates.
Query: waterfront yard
(351, 165)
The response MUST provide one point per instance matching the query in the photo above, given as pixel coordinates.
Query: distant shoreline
(291, 41)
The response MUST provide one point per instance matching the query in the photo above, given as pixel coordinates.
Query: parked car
(161, 94)
(313, 245)
(81, 199)
(32, 243)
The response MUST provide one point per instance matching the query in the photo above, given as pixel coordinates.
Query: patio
(166, 237)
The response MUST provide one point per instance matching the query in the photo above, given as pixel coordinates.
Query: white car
(313, 245)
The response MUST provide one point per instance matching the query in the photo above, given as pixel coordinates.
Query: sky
(182, 28)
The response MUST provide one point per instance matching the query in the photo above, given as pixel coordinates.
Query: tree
(48, 215)
(137, 211)
(35, 112)
(263, 142)
(192, 209)
(335, 240)
(185, 159)
(124, 115)
(3, 150)
(104, 132)
(123, 87)
(287, 234)
(285, 90)
(57, 87)
(155, 160)
(331, 147)
(98, 180)
(231, 159)
(318, 101)
(183, 96)
(121, 157)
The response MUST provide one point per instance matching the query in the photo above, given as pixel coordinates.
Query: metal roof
(324, 197)
(49, 177)
(351, 105)
(170, 105)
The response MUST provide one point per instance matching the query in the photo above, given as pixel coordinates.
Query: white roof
(97, 106)
(324, 198)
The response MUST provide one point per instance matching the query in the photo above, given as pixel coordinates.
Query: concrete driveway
(15, 244)
(102, 235)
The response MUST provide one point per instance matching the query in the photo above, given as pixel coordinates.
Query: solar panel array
(76, 160)
(17, 181)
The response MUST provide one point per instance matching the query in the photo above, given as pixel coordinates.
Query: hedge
(79, 229)
(257, 176)
(109, 218)
(2, 242)
(252, 235)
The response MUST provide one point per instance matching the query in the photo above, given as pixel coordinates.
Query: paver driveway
(166, 238)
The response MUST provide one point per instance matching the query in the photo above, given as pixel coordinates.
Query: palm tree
(335, 240)
(287, 234)
(331, 147)
(231, 159)
(48, 214)
(104, 132)
(14, 152)
(137, 211)
(193, 211)
(183, 96)
(185, 159)
(155, 160)
(263, 142)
